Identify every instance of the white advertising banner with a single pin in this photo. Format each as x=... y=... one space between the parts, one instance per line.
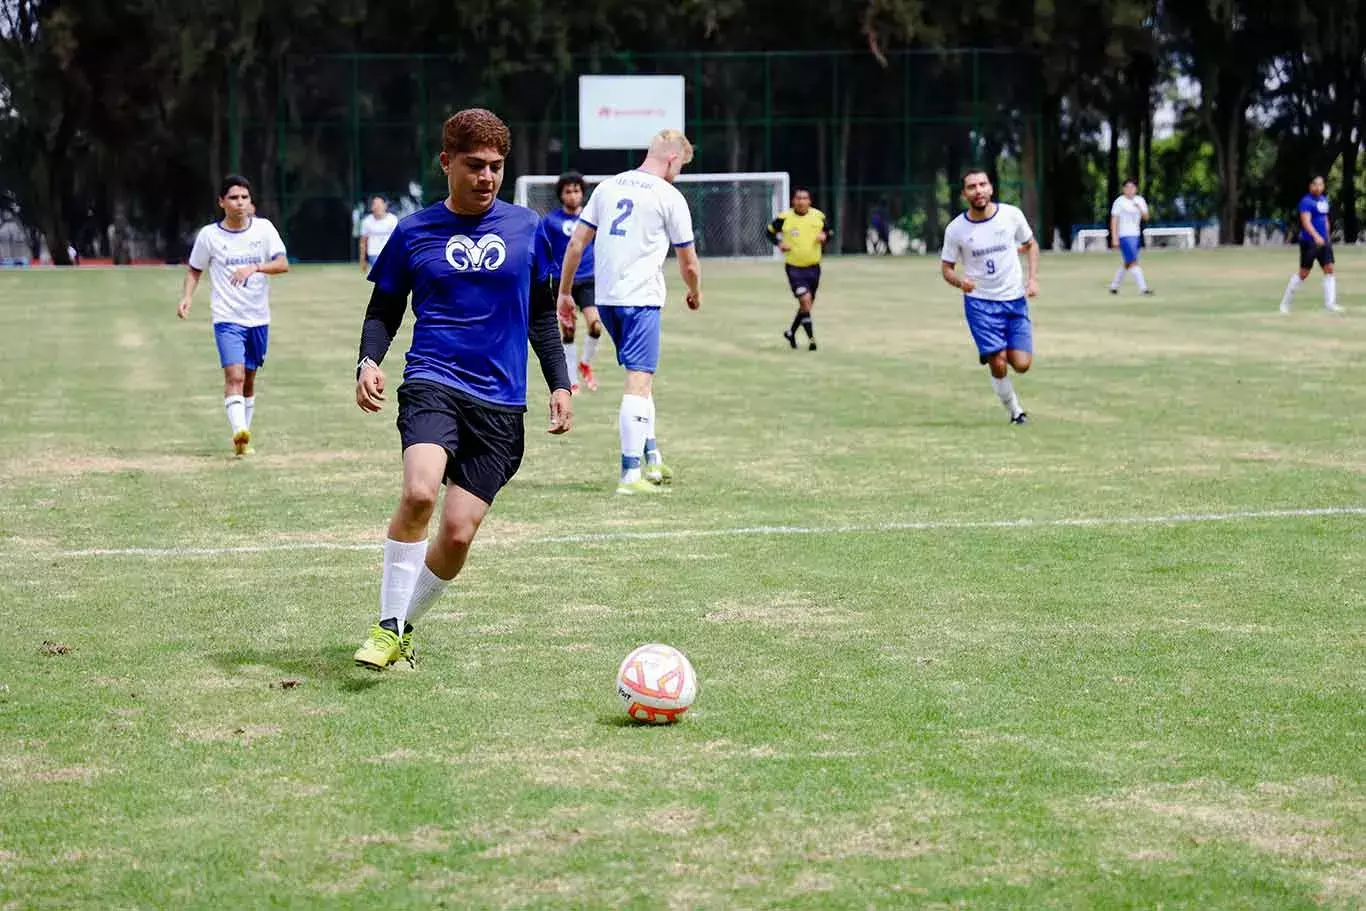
x=624 y=112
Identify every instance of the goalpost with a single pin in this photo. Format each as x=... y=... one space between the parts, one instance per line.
x=730 y=212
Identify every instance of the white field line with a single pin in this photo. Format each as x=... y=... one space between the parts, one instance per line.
x=744 y=532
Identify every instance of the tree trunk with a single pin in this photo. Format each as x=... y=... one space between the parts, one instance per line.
x=1029 y=155
x=842 y=172
x=1351 y=222
x=1112 y=159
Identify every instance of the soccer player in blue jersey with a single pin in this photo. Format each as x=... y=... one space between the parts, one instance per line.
x=987 y=239
x=1316 y=246
x=635 y=217
x=556 y=229
x=467 y=263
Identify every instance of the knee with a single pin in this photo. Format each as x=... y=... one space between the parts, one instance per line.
x=997 y=365
x=566 y=335
x=595 y=330
x=419 y=500
x=639 y=383
x=1021 y=361
x=458 y=531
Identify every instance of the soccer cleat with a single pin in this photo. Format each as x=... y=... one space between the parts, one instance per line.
x=1285 y=307
x=1114 y=290
x=1020 y=418
x=1148 y=292
x=791 y=338
x=586 y=374
x=1333 y=308
x=811 y=346
x=241 y=442
x=659 y=473
x=407 y=652
x=379 y=650
x=638 y=487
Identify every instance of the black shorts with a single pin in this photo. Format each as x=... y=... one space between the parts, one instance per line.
x=804 y=280
x=585 y=294
x=483 y=444
x=1311 y=253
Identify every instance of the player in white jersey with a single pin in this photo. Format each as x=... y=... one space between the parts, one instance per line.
x=238 y=252
x=375 y=229
x=987 y=239
x=632 y=219
x=1127 y=216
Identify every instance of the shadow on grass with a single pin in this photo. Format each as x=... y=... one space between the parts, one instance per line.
x=330 y=664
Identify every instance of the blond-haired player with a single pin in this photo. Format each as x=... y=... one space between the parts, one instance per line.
x=631 y=220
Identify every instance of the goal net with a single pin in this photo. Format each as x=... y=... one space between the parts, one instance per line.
x=730 y=212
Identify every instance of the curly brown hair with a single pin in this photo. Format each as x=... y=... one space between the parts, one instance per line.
x=475 y=128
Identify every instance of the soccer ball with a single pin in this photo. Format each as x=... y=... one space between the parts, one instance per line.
x=656 y=684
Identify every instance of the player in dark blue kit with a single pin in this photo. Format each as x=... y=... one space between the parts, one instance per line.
x=1316 y=246
x=556 y=229
x=467 y=263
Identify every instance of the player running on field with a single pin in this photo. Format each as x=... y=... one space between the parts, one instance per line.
x=1316 y=246
x=1127 y=216
x=635 y=216
x=987 y=239
x=467 y=264
x=555 y=230
x=239 y=253
x=801 y=232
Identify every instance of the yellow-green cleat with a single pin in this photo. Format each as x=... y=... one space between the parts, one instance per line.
x=659 y=473
x=638 y=487
x=407 y=653
x=241 y=443
x=381 y=649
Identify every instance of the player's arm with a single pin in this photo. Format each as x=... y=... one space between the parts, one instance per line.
x=383 y=317
x=1031 y=248
x=544 y=335
x=362 y=252
x=1114 y=232
x=1142 y=209
x=192 y=276
x=775 y=232
x=827 y=232
x=1307 y=227
x=950 y=273
x=690 y=268
x=573 y=255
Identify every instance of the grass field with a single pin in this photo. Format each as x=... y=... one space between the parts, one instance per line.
x=1114 y=659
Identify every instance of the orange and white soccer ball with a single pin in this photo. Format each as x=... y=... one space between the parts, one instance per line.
x=656 y=684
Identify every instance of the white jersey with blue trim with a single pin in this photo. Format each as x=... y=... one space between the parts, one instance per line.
x=1129 y=213
x=637 y=217
x=988 y=251
x=221 y=252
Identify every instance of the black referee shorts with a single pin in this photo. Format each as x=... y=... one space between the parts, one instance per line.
x=483 y=444
x=804 y=280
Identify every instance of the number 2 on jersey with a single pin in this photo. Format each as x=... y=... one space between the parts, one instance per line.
x=625 y=207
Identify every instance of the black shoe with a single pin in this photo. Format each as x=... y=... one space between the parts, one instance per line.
x=1114 y=290
x=811 y=346
x=1149 y=293
x=791 y=337
x=1020 y=418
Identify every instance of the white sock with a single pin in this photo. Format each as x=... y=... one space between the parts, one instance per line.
x=1290 y=290
x=1005 y=391
x=250 y=402
x=633 y=420
x=571 y=360
x=1330 y=291
x=402 y=561
x=1119 y=278
x=1138 y=277
x=652 y=456
x=428 y=588
x=590 y=348
x=236 y=408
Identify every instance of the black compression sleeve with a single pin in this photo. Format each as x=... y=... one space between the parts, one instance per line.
x=382 y=318
x=544 y=334
x=775 y=228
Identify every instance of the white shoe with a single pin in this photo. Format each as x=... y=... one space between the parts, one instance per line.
x=1285 y=308
x=1333 y=308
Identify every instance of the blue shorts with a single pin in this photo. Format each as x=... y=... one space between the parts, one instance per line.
x=1128 y=249
x=635 y=332
x=998 y=326
x=241 y=344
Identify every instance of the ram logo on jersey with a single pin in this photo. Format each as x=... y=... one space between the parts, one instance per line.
x=487 y=254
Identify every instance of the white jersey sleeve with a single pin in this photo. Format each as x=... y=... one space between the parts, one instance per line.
x=678 y=220
x=199 y=253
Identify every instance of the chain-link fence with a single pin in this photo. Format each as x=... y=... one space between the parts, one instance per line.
x=880 y=144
